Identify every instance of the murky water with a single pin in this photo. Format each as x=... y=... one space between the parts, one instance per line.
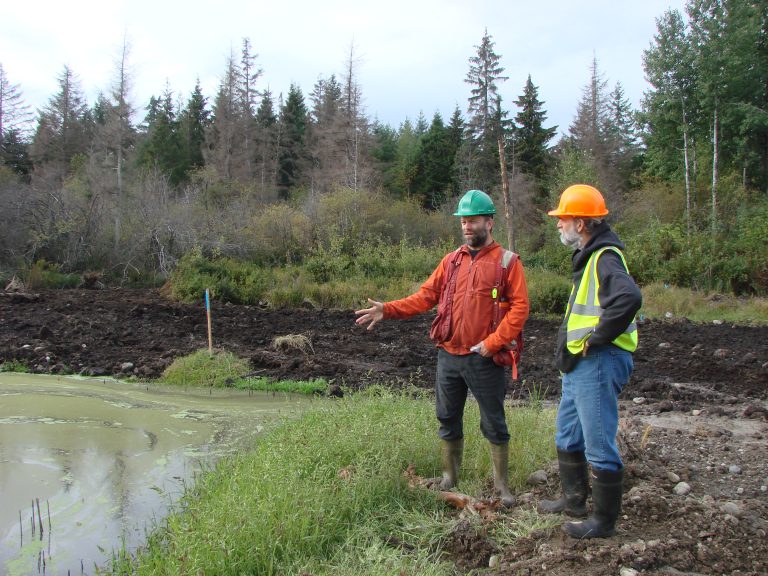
x=95 y=463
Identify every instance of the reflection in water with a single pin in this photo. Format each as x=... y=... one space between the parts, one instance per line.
x=104 y=460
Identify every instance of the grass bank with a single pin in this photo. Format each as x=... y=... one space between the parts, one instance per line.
x=223 y=369
x=659 y=300
x=333 y=280
x=325 y=494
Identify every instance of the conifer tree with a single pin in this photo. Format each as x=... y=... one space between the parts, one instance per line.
x=15 y=118
x=622 y=138
x=384 y=155
x=595 y=136
x=456 y=133
x=63 y=128
x=222 y=135
x=531 y=139
x=194 y=120
x=162 y=147
x=266 y=144
x=292 y=152
x=356 y=125
x=407 y=147
x=434 y=165
x=114 y=142
x=485 y=73
x=588 y=130
x=421 y=127
x=247 y=94
x=328 y=137
x=14 y=153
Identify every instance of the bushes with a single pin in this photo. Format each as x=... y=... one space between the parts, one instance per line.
x=229 y=280
x=340 y=248
x=325 y=264
x=341 y=275
x=47 y=275
x=733 y=259
x=338 y=224
x=548 y=292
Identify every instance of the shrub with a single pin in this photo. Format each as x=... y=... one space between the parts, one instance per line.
x=14 y=366
x=227 y=279
x=547 y=292
x=48 y=275
x=327 y=263
x=280 y=234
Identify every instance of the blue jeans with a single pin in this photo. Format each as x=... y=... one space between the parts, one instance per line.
x=588 y=416
x=456 y=375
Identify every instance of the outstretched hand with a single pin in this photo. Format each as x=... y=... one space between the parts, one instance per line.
x=370 y=315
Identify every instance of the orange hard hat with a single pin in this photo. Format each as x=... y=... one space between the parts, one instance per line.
x=580 y=201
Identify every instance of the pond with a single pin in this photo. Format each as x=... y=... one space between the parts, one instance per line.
x=89 y=466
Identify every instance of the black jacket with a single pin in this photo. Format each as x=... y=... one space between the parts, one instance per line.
x=619 y=295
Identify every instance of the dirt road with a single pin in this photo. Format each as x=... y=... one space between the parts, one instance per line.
x=694 y=412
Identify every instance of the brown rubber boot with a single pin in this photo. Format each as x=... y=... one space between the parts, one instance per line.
x=452 y=453
x=500 y=458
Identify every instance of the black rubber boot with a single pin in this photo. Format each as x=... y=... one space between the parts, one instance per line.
x=574 y=483
x=452 y=454
x=606 y=505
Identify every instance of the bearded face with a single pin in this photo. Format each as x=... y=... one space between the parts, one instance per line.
x=476 y=230
x=569 y=234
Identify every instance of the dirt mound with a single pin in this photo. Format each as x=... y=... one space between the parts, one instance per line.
x=695 y=411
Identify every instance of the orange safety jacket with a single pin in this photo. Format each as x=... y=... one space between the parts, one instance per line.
x=473 y=304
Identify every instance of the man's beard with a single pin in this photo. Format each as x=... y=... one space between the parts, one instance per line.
x=478 y=240
x=572 y=239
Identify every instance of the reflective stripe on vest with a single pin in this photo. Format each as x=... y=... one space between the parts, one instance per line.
x=584 y=309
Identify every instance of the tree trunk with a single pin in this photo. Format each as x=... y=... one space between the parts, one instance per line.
x=695 y=179
x=714 y=173
x=509 y=210
x=118 y=199
x=687 y=177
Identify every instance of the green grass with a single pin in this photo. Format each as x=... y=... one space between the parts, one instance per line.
x=224 y=369
x=659 y=299
x=317 y=386
x=284 y=508
x=200 y=368
x=14 y=366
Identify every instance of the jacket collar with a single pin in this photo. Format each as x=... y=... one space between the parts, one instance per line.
x=483 y=251
x=601 y=237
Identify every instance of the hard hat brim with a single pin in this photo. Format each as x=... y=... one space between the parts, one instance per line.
x=474 y=213
x=556 y=212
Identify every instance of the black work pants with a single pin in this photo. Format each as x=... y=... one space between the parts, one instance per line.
x=471 y=372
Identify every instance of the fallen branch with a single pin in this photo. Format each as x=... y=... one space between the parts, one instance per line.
x=486 y=508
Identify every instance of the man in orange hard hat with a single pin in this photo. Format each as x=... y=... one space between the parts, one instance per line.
x=594 y=354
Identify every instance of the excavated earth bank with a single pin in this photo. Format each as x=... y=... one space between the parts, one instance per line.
x=695 y=411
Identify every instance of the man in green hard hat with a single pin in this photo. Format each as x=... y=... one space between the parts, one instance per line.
x=482 y=301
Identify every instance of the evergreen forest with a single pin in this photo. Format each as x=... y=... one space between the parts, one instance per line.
x=126 y=191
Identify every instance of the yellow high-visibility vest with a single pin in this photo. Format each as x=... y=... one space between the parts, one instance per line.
x=584 y=309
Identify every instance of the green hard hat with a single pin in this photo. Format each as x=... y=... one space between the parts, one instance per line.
x=475 y=203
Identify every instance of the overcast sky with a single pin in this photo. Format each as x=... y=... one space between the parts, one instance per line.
x=412 y=55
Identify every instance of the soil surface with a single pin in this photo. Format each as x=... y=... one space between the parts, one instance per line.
x=694 y=412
